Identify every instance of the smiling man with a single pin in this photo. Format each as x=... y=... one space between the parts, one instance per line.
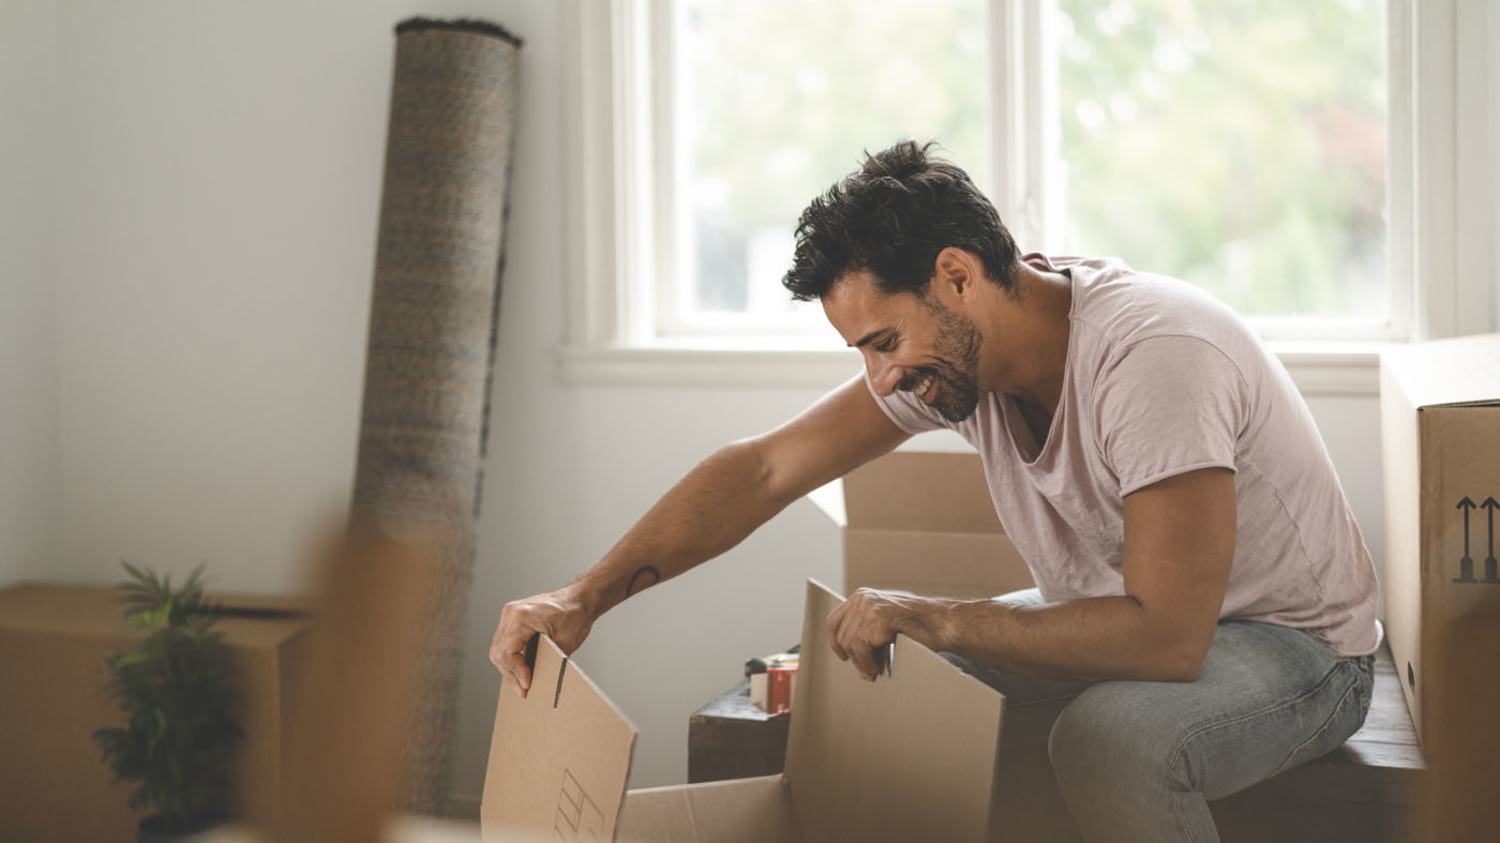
x=1203 y=594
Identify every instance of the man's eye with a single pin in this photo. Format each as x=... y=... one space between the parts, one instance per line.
x=885 y=344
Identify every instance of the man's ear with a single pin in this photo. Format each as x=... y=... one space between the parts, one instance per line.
x=953 y=268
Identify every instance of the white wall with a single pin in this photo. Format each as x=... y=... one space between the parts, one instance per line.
x=216 y=210
x=217 y=216
x=1494 y=67
x=28 y=368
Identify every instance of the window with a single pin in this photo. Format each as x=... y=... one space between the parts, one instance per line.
x=1240 y=146
x=1260 y=148
x=764 y=116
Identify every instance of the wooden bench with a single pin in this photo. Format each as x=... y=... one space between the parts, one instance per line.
x=1366 y=790
x=1363 y=791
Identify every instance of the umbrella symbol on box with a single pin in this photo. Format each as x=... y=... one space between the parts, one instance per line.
x=1466 y=564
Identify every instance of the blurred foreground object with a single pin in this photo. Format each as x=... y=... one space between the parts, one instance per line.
x=1463 y=746
x=343 y=756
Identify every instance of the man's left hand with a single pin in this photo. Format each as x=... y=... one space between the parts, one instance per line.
x=870 y=619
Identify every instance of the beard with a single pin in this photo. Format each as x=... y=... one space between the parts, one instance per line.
x=956 y=365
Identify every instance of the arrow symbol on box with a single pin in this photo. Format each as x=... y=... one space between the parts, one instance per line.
x=1491 y=575
x=1466 y=565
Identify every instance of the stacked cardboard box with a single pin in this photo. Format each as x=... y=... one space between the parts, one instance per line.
x=923 y=522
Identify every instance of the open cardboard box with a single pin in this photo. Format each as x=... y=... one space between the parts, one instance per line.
x=923 y=522
x=911 y=756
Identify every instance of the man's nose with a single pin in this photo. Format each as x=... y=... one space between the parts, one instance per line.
x=884 y=376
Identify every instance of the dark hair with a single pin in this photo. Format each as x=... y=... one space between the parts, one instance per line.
x=892 y=217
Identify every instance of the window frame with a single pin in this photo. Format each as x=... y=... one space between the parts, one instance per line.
x=617 y=158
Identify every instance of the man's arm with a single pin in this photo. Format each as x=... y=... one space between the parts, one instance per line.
x=713 y=508
x=1179 y=544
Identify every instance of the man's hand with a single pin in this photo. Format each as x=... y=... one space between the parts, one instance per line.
x=560 y=614
x=871 y=619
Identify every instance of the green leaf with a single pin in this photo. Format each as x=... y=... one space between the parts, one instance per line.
x=178 y=695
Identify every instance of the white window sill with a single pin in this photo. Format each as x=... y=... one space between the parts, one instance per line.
x=1318 y=368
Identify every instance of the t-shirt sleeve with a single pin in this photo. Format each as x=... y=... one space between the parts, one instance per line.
x=909 y=414
x=1169 y=405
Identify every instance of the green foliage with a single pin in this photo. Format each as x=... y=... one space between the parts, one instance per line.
x=176 y=690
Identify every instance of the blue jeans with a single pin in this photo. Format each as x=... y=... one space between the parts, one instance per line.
x=1138 y=761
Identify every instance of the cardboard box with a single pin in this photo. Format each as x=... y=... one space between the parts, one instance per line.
x=1440 y=413
x=923 y=522
x=53 y=638
x=911 y=756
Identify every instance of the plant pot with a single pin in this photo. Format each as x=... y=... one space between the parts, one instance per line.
x=155 y=829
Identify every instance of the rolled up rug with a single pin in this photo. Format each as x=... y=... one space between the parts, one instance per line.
x=432 y=339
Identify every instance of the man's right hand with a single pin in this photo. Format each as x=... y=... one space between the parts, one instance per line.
x=561 y=615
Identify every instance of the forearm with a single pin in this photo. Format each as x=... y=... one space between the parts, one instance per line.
x=709 y=511
x=1097 y=638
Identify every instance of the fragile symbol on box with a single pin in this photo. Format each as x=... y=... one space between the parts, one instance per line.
x=1466 y=564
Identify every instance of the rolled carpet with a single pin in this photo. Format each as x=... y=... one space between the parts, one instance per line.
x=432 y=339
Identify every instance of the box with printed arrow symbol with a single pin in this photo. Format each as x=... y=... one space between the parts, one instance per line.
x=1440 y=434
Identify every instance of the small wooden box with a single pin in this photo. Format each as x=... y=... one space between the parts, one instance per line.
x=728 y=738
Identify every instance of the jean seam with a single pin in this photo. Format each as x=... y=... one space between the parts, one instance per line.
x=1177 y=819
x=1177 y=760
x=1322 y=728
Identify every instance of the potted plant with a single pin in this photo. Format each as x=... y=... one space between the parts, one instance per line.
x=176 y=689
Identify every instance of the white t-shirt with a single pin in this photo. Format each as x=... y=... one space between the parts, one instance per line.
x=1162 y=379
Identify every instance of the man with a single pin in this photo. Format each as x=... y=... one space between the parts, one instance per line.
x=1202 y=587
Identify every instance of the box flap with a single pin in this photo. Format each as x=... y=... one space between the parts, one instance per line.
x=1452 y=372
x=910 y=756
x=559 y=758
x=753 y=810
x=914 y=490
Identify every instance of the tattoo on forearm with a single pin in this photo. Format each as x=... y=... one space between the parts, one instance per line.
x=646 y=571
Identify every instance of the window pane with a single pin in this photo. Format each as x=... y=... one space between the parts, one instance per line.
x=776 y=99
x=1238 y=144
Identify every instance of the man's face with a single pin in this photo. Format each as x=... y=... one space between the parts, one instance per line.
x=956 y=355
x=911 y=344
